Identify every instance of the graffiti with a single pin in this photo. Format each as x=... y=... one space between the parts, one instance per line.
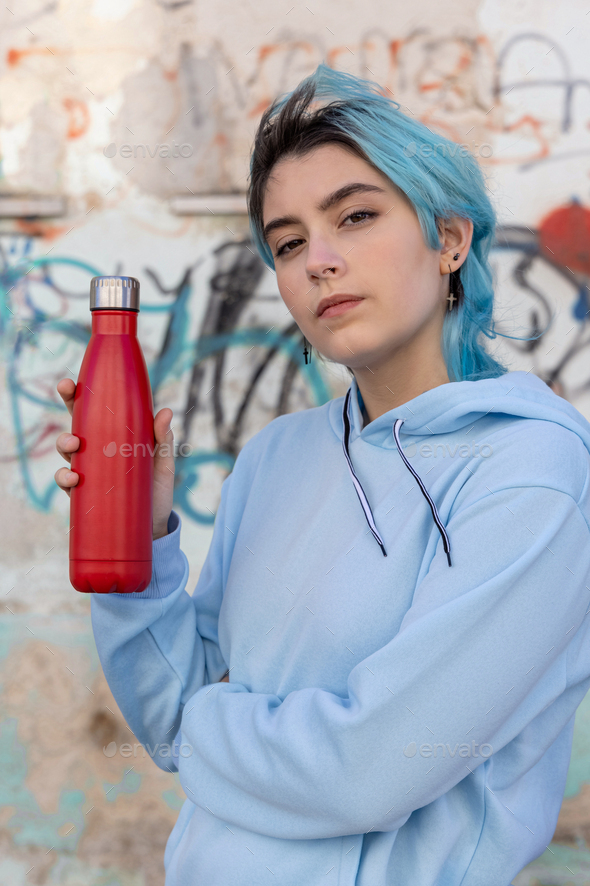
x=238 y=353
x=565 y=81
x=220 y=345
x=34 y=337
x=435 y=79
x=227 y=362
x=27 y=381
x=562 y=244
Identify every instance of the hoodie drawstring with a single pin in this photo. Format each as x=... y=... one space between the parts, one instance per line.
x=446 y=543
x=357 y=484
x=361 y=494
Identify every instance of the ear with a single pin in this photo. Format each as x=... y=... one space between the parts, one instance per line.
x=455 y=235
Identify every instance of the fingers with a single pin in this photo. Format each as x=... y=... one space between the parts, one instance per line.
x=65 y=479
x=66 y=444
x=66 y=388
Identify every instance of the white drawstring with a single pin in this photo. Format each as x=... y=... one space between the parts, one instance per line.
x=361 y=494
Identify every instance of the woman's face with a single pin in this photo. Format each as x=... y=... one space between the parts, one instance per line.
x=366 y=244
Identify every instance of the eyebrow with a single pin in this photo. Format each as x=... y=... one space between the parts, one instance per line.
x=325 y=204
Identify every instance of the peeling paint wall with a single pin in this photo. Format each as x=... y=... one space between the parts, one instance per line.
x=120 y=106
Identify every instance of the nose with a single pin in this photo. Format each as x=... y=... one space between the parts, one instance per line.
x=323 y=260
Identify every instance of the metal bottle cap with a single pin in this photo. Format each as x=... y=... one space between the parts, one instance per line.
x=112 y=293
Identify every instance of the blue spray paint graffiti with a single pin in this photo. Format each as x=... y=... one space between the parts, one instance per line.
x=232 y=287
x=27 y=327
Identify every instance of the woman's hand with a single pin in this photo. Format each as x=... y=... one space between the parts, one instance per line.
x=163 y=460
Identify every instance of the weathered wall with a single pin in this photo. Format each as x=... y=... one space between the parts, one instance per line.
x=79 y=79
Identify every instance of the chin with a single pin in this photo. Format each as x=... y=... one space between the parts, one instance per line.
x=362 y=355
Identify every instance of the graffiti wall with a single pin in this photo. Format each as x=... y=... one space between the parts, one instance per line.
x=123 y=109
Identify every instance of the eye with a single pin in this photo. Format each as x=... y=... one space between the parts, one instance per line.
x=280 y=251
x=358 y=212
x=368 y=212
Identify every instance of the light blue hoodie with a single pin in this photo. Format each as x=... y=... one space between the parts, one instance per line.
x=407 y=645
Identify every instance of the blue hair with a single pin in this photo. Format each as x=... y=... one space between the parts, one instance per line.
x=439 y=186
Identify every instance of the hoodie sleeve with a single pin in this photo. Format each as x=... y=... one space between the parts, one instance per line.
x=481 y=652
x=159 y=646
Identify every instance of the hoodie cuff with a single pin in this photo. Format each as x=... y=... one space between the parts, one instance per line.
x=168 y=563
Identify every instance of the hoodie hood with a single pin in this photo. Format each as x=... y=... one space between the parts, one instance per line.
x=444 y=409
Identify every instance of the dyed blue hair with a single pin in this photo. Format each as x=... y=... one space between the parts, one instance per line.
x=438 y=185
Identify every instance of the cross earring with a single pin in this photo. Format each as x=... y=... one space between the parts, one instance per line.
x=453 y=287
x=305 y=351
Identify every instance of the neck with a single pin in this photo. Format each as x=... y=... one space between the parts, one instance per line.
x=387 y=388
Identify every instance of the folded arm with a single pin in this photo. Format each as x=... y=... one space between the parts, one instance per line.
x=479 y=654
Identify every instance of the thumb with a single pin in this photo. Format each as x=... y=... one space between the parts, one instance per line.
x=162 y=427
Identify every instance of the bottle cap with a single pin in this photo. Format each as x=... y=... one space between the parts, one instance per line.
x=112 y=293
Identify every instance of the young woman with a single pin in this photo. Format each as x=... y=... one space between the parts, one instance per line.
x=398 y=580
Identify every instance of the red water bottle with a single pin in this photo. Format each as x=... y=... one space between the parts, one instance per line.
x=111 y=505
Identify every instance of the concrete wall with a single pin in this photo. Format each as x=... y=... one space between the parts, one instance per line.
x=79 y=79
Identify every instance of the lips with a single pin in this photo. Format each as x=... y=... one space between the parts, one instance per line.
x=335 y=300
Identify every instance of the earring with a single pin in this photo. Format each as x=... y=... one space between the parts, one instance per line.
x=455 y=287
x=455 y=257
x=305 y=351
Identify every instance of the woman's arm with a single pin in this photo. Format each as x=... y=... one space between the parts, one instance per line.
x=482 y=652
x=159 y=646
